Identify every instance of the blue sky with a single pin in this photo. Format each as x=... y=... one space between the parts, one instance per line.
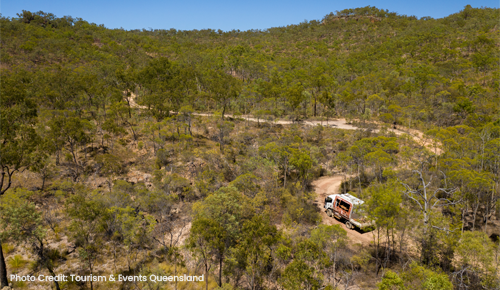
x=222 y=14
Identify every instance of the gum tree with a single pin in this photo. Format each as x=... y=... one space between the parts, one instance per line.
x=21 y=222
x=18 y=139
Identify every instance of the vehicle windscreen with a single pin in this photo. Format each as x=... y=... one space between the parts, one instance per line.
x=328 y=199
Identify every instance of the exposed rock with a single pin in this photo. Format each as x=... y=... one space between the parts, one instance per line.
x=135 y=176
x=98 y=182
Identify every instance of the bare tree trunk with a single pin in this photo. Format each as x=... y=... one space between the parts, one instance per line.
x=474 y=217
x=206 y=278
x=54 y=275
x=463 y=218
x=223 y=111
x=334 y=270
x=3 y=270
x=377 y=263
x=175 y=272
x=220 y=271
x=485 y=218
x=359 y=180
x=284 y=183
x=314 y=105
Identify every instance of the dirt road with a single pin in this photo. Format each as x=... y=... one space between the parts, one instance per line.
x=330 y=185
x=339 y=123
x=416 y=135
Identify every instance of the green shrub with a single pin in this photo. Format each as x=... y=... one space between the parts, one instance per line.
x=16 y=262
x=7 y=248
x=391 y=281
x=123 y=141
x=18 y=284
x=387 y=118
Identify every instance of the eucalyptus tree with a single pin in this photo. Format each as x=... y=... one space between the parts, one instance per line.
x=86 y=228
x=427 y=191
x=318 y=80
x=223 y=214
x=222 y=88
x=166 y=85
x=18 y=138
x=18 y=117
x=22 y=222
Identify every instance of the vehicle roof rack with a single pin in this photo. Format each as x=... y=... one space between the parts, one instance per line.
x=352 y=198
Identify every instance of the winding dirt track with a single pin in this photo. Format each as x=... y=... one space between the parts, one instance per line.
x=416 y=135
x=330 y=185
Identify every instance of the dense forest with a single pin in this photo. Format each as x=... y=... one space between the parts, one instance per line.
x=204 y=152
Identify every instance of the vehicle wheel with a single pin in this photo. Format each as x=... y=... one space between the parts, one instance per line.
x=349 y=225
x=329 y=212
